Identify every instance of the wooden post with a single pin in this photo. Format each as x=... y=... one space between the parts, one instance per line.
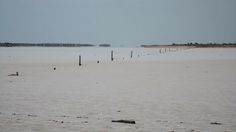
x=112 y=56
x=131 y=54
x=80 y=61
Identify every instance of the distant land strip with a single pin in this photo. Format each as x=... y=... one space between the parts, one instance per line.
x=193 y=45
x=6 y=44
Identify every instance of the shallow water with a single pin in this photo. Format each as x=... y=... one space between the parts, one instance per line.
x=14 y=55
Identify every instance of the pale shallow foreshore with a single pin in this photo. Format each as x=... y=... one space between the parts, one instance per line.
x=159 y=92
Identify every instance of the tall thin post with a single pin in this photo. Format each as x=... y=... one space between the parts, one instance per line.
x=80 y=61
x=131 y=54
x=112 y=56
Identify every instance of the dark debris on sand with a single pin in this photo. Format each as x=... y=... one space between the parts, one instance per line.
x=32 y=115
x=216 y=123
x=56 y=121
x=124 y=121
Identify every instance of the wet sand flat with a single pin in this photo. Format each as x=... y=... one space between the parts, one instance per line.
x=160 y=95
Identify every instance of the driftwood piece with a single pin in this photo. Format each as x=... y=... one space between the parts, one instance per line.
x=17 y=74
x=124 y=121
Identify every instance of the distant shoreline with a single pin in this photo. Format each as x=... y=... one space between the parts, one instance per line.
x=188 y=45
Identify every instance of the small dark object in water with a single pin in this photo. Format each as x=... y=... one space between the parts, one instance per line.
x=181 y=122
x=216 y=123
x=118 y=111
x=62 y=122
x=124 y=121
x=97 y=61
x=54 y=68
x=14 y=74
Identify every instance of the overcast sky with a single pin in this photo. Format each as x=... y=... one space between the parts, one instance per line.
x=118 y=22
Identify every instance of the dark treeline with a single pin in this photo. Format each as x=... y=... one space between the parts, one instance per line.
x=207 y=44
x=44 y=45
x=104 y=45
x=196 y=45
x=6 y=44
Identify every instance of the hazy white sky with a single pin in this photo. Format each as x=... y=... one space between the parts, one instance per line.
x=118 y=22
